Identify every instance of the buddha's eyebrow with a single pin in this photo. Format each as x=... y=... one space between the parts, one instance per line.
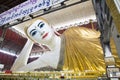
x=32 y=30
x=39 y=23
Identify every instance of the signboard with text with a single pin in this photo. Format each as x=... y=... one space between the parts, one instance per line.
x=26 y=8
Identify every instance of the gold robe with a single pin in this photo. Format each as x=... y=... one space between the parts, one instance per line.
x=82 y=50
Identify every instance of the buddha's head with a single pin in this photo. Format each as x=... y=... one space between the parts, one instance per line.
x=40 y=31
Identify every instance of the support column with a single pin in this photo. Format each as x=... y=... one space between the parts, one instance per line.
x=110 y=62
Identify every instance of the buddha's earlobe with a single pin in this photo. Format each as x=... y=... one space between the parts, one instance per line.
x=55 y=31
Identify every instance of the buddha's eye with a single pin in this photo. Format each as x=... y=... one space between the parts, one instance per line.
x=33 y=32
x=41 y=24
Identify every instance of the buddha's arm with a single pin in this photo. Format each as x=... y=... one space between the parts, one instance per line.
x=47 y=59
x=23 y=57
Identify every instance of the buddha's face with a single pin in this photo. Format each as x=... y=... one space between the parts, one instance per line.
x=40 y=31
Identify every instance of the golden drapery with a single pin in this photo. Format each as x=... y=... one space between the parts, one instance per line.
x=83 y=51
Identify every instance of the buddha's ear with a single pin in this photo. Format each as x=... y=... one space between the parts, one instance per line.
x=55 y=31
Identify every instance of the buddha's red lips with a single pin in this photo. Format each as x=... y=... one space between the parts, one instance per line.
x=44 y=35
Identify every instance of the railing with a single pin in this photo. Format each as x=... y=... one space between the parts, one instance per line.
x=51 y=75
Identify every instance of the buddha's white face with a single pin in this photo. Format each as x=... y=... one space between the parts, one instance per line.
x=40 y=32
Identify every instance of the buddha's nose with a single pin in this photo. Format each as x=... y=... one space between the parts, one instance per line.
x=42 y=32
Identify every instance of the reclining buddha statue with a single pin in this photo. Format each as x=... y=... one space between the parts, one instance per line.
x=77 y=49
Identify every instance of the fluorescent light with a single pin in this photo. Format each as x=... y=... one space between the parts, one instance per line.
x=5 y=52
